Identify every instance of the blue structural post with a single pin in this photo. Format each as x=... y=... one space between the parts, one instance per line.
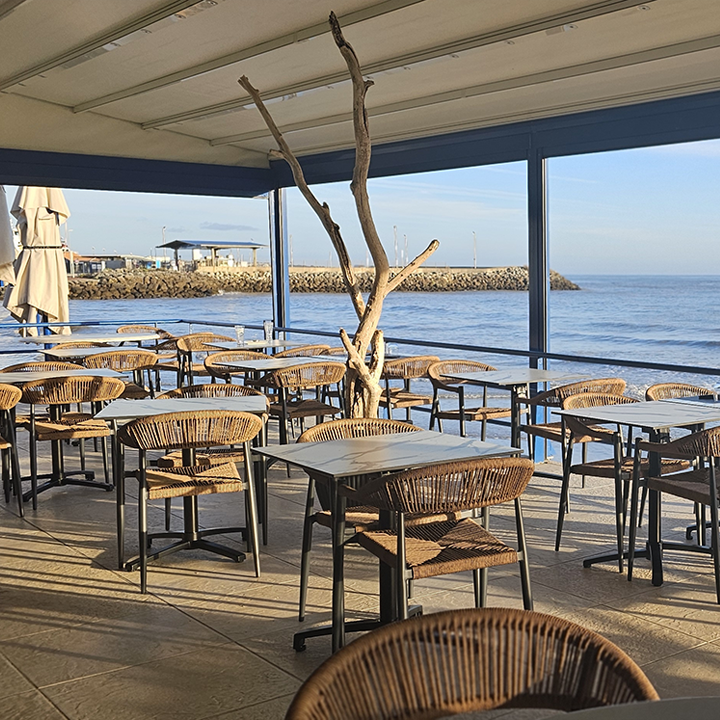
x=538 y=269
x=277 y=207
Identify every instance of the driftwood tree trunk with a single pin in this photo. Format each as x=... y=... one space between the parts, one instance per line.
x=363 y=389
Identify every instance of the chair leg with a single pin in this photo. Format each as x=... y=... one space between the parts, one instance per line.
x=480 y=575
x=251 y=504
x=401 y=569
x=142 y=524
x=564 y=493
x=643 y=500
x=168 y=513
x=106 y=467
x=523 y=557
x=633 y=524
x=306 y=548
x=33 y=464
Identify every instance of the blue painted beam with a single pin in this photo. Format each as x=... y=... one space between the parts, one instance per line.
x=95 y=172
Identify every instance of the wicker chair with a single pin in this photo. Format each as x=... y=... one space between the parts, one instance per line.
x=136 y=361
x=700 y=452
x=187 y=431
x=440 y=548
x=304 y=351
x=9 y=398
x=58 y=393
x=667 y=391
x=130 y=329
x=217 y=363
x=554 y=398
x=52 y=365
x=187 y=369
x=210 y=390
x=619 y=467
x=405 y=369
x=334 y=351
x=357 y=516
x=470 y=660
x=437 y=373
x=78 y=344
x=296 y=380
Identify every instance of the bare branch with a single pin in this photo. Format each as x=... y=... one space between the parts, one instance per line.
x=362 y=157
x=412 y=266
x=378 y=355
x=321 y=210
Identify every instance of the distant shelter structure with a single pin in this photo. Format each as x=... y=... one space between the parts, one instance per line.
x=213 y=246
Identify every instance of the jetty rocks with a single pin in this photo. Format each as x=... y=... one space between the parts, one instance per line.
x=122 y=284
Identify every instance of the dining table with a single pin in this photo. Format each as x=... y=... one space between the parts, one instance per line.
x=79 y=354
x=260 y=344
x=17 y=377
x=98 y=337
x=517 y=381
x=656 y=418
x=665 y=709
x=336 y=460
x=124 y=410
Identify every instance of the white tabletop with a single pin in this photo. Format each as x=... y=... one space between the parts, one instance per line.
x=271 y=363
x=131 y=409
x=515 y=376
x=18 y=378
x=656 y=414
x=106 y=337
x=257 y=344
x=383 y=453
x=703 y=708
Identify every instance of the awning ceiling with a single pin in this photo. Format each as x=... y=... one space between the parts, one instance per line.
x=157 y=80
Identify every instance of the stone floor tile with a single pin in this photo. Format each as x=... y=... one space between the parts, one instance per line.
x=30 y=706
x=184 y=687
x=695 y=672
x=13 y=681
x=270 y=710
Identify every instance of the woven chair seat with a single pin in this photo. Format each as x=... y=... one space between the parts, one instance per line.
x=441 y=548
x=196 y=480
x=400 y=398
x=47 y=430
x=133 y=391
x=693 y=485
x=209 y=458
x=553 y=431
x=4 y=444
x=606 y=468
x=70 y=418
x=304 y=408
x=476 y=413
x=366 y=517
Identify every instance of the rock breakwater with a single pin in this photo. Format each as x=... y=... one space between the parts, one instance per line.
x=122 y=284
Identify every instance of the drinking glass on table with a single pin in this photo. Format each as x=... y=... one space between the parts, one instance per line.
x=268 y=329
x=240 y=334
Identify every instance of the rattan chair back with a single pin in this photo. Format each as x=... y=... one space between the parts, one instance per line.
x=210 y=390
x=78 y=389
x=438 y=371
x=192 y=429
x=145 y=329
x=9 y=396
x=217 y=363
x=355 y=428
x=334 y=351
x=304 y=351
x=38 y=366
x=167 y=346
x=408 y=367
x=555 y=397
x=449 y=487
x=702 y=444
x=470 y=660
x=667 y=391
x=307 y=375
x=595 y=399
x=78 y=344
x=122 y=360
x=200 y=341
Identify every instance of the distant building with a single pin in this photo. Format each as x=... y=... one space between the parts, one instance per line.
x=214 y=246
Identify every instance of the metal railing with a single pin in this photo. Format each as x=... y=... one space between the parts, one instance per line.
x=528 y=354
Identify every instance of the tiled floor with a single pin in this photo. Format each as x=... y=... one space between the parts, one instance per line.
x=78 y=640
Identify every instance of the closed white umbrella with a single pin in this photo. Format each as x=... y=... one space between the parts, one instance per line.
x=7 y=242
x=41 y=284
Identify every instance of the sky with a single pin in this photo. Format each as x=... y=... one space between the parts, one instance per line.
x=647 y=211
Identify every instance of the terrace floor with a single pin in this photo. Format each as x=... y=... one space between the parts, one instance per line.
x=209 y=640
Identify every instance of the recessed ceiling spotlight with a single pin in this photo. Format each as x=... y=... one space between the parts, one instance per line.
x=569 y=26
x=509 y=42
x=643 y=7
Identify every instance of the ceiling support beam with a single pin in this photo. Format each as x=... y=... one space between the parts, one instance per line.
x=381 y=8
x=98 y=41
x=7 y=6
x=473 y=42
x=525 y=81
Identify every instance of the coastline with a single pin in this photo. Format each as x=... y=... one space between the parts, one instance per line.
x=121 y=284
